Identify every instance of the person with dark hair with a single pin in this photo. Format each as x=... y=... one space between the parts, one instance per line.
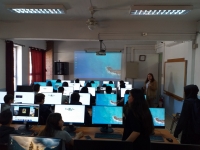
x=92 y=82
x=36 y=88
x=84 y=90
x=5 y=129
x=49 y=83
x=122 y=84
x=44 y=110
x=65 y=99
x=189 y=121
x=110 y=82
x=65 y=84
x=108 y=89
x=53 y=128
x=88 y=84
x=121 y=102
x=58 y=81
x=75 y=97
x=8 y=99
x=138 y=123
x=77 y=81
x=150 y=89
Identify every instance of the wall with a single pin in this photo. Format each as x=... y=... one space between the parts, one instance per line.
x=181 y=50
x=2 y=65
x=25 y=56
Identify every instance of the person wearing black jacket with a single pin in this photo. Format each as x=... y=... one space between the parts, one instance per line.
x=189 y=121
x=5 y=129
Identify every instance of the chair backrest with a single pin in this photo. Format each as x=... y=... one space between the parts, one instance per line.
x=167 y=146
x=101 y=145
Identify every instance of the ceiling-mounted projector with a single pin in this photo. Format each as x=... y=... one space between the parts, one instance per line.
x=102 y=51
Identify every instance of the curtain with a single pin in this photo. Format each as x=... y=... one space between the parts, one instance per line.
x=9 y=67
x=38 y=65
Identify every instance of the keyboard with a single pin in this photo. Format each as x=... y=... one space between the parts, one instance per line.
x=108 y=136
x=156 y=138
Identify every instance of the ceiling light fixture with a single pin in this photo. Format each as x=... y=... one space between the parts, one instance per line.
x=37 y=9
x=160 y=10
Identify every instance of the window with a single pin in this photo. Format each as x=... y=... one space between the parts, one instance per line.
x=17 y=51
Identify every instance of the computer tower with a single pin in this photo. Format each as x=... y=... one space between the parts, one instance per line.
x=61 y=68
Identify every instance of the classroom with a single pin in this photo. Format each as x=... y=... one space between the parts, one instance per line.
x=158 y=38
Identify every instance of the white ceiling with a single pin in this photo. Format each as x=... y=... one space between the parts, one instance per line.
x=109 y=10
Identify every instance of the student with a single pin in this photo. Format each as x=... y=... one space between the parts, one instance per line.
x=53 y=128
x=8 y=99
x=36 y=88
x=44 y=110
x=65 y=84
x=138 y=124
x=189 y=121
x=77 y=81
x=5 y=129
x=49 y=83
x=150 y=88
x=108 y=89
x=75 y=97
x=65 y=99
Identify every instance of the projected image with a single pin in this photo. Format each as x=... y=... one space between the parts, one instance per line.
x=90 y=65
x=158 y=115
x=106 y=115
x=34 y=143
x=106 y=99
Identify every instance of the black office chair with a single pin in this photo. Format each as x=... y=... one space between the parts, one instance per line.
x=3 y=146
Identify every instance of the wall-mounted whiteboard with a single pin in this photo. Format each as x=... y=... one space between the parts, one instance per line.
x=175 y=78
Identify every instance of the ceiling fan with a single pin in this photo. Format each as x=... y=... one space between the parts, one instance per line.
x=91 y=22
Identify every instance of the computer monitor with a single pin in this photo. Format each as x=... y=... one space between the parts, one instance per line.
x=112 y=85
x=18 y=142
x=107 y=115
x=105 y=82
x=56 y=85
x=71 y=84
x=2 y=94
x=123 y=90
x=82 y=82
x=129 y=86
x=71 y=114
x=46 y=89
x=76 y=86
x=24 y=97
x=104 y=88
x=106 y=99
x=24 y=88
x=52 y=98
x=68 y=90
x=91 y=90
x=27 y=114
x=40 y=83
x=158 y=115
x=126 y=98
x=84 y=98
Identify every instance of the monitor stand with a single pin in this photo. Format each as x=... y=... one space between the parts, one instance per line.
x=25 y=129
x=106 y=129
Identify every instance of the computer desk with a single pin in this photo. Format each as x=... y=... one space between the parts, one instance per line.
x=90 y=131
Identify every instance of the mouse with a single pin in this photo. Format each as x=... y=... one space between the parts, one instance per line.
x=169 y=139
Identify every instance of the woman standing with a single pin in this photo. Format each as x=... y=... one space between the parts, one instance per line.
x=150 y=89
x=138 y=122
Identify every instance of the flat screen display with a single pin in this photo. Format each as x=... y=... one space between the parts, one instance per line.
x=126 y=98
x=68 y=90
x=76 y=86
x=52 y=98
x=56 y=85
x=25 y=112
x=123 y=90
x=106 y=99
x=92 y=90
x=107 y=115
x=158 y=115
x=92 y=66
x=84 y=98
x=2 y=94
x=37 y=143
x=24 y=97
x=46 y=89
x=71 y=113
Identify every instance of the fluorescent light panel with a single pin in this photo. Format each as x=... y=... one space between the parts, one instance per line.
x=37 y=9
x=160 y=10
